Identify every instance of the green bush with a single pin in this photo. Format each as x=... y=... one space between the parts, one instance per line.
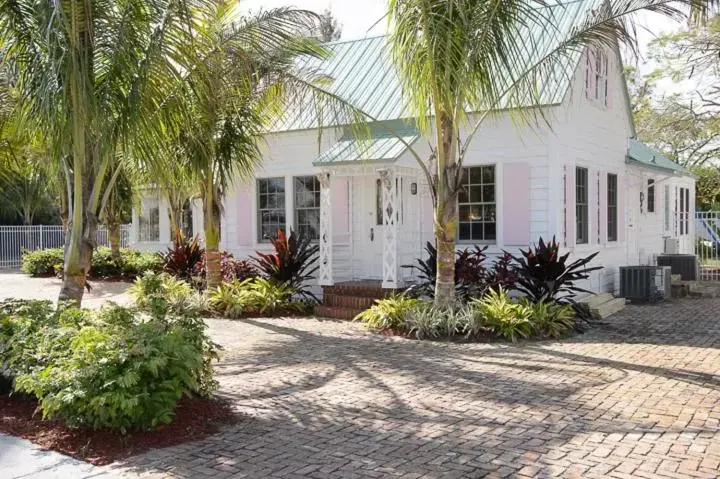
x=254 y=296
x=42 y=262
x=551 y=319
x=428 y=321
x=497 y=312
x=132 y=263
x=388 y=313
x=114 y=368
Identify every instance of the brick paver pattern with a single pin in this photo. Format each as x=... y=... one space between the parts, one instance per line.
x=637 y=396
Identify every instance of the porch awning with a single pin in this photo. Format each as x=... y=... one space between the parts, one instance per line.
x=381 y=147
x=644 y=155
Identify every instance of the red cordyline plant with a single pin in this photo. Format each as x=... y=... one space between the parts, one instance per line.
x=544 y=275
x=294 y=261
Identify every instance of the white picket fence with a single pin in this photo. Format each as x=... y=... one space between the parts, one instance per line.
x=16 y=239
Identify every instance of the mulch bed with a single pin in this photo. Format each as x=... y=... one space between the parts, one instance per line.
x=195 y=418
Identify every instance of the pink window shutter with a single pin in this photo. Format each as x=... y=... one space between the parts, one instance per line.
x=339 y=204
x=516 y=204
x=244 y=205
x=569 y=204
x=592 y=206
x=603 y=203
x=622 y=221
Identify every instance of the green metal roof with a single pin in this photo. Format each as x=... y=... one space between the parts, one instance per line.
x=362 y=72
x=380 y=146
x=644 y=155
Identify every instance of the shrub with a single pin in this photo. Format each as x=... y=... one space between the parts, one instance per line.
x=230 y=267
x=293 y=263
x=472 y=277
x=543 y=274
x=113 y=368
x=155 y=291
x=551 y=319
x=426 y=320
x=132 y=263
x=136 y=263
x=182 y=258
x=42 y=262
x=501 y=315
x=388 y=313
x=254 y=296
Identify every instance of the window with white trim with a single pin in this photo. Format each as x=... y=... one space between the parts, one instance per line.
x=271 y=207
x=650 y=195
x=596 y=75
x=307 y=206
x=667 y=207
x=612 y=207
x=477 y=204
x=582 y=216
x=149 y=219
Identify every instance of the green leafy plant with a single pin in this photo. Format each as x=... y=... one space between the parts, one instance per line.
x=551 y=319
x=544 y=274
x=388 y=313
x=114 y=368
x=159 y=291
x=501 y=315
x=42 y=262
x=182 y=258
x=254 y=296
x=427 y=321
x=293 y=263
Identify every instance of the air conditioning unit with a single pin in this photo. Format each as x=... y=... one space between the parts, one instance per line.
x=672 y=246
x=645 y=283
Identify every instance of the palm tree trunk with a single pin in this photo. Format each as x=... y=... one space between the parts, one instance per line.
x=175 y=215
x=213 y=272
x=446 y=214
x=114 y=238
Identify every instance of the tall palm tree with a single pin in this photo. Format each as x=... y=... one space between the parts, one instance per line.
x=246 y=76
x=90 y=75
x=461 y=60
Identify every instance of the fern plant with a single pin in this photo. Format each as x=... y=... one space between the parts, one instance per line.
x=501 y=315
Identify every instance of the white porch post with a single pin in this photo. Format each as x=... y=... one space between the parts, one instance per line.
x=390 y=230
x=326 y=266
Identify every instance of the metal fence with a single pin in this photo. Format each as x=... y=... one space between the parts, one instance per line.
x=707 y=244
x=16 y=239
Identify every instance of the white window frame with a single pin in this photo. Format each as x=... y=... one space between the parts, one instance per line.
x=596 y=67
x=149 y=223
x=482 y=203
x=296 y=204
x=280 y=209
x=612 y=207
x=585 y=239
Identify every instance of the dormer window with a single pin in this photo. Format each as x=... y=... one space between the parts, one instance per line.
x=596 y=76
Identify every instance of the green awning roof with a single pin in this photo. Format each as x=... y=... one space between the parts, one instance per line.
x=381 y=146
x=644 y=155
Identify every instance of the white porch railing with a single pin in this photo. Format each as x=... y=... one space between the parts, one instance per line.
x=16 y=239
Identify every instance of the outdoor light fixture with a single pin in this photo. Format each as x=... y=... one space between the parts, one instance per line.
x=413 y=189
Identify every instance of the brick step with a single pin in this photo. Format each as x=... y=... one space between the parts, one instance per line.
x=342 y=301
x=336 y=312
x=359 y=289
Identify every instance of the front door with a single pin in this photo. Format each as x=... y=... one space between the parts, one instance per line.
x=369 y=234
x=632 y=221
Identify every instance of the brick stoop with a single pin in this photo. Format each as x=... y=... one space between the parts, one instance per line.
x=347 y=300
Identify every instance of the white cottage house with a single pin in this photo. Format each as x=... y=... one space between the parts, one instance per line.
x=580 y=176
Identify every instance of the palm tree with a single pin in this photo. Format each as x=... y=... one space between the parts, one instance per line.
x=90 y=74
x=461 y=60
x=245 y=77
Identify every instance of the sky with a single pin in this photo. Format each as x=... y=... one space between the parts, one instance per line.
x=360 y=18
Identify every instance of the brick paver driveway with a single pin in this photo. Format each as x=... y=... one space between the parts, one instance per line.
x=639 y=396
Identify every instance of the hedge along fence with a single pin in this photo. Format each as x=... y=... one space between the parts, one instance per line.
x=16 y=239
